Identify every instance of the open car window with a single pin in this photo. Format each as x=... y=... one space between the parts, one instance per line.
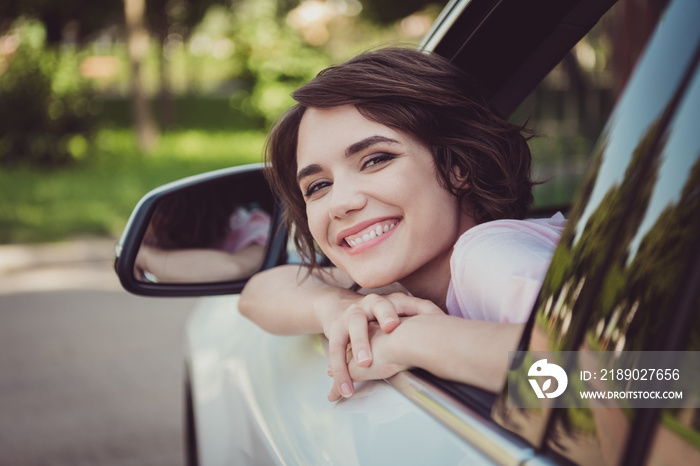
x=567 y=111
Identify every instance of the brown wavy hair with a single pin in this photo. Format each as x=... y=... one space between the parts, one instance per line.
x=480 y=157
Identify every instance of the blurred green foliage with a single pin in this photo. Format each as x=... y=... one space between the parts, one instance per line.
x=276 y=60
x=208 y=113
x=69 y=163
x=97 y=195
x=48 y=111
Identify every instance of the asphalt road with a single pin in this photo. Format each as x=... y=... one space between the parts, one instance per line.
x=89 y=374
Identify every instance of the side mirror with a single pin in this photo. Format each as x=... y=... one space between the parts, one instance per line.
x=203 y=235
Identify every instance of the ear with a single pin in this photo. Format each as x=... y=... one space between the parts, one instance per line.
x=459 y=177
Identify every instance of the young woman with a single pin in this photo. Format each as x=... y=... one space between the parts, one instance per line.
x=395 y=167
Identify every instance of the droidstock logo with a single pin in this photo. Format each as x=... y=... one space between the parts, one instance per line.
x=543 y=369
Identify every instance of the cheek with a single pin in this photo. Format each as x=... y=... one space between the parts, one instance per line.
x=318 y=223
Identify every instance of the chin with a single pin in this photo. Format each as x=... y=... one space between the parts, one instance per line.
x=370 y=276
x=372 y=282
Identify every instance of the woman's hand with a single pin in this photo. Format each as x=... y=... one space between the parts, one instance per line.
x=356 y=325
x=384 y=365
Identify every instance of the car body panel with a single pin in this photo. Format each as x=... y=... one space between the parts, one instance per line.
x=261 y=399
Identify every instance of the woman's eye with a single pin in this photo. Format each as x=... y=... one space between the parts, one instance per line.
x=315 y=187
x=378 y=159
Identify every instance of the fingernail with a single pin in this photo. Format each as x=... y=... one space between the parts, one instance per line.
x=362 y=356
x=391 y=322
x=345 y=390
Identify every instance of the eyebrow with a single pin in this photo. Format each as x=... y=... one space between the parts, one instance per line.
x=359 y=146
x=351 y=150
x=308 y=171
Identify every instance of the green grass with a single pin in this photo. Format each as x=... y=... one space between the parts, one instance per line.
x=96 y=196
x=191 y=112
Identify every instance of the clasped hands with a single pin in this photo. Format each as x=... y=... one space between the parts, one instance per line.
x=363 y=341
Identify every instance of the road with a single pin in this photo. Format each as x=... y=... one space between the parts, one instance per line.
x=89 y=374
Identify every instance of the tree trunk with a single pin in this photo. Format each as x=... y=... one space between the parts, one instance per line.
x=168 y=114
x=137 y=37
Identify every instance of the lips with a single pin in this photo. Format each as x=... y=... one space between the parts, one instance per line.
x=367 y=231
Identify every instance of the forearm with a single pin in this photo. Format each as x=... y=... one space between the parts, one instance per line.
x=200 y=265
x=467 y=351
x=280 y=301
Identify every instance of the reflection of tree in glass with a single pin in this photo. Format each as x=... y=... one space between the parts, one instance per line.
x=578 y=266
x=631 y=202
x=636 y=306
x=653 y=276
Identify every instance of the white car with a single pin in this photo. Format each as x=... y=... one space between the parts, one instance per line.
x=626 y=276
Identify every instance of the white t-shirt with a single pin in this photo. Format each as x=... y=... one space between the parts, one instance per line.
x=497 y=268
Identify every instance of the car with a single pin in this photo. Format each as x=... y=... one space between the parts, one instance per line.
x=625 y=278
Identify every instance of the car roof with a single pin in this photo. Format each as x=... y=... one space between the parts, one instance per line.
x=508 y=46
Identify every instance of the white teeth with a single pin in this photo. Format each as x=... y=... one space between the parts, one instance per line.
x=371 y=235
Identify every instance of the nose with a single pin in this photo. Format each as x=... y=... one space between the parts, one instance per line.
x=346 y=197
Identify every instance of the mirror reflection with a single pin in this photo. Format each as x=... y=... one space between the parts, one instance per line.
x=203 y=233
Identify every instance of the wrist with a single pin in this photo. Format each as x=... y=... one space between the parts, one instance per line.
x=403 y=343
x=330 y=305
x=412 y=346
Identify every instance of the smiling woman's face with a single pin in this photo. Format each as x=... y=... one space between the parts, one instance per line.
x=373 y=200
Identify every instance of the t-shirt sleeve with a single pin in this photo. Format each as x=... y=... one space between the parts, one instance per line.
x=497 y=269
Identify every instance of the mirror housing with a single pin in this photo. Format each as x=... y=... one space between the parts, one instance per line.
x=243 y=185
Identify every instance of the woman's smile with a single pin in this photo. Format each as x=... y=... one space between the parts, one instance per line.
x=367 y=234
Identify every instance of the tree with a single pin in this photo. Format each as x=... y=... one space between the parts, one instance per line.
x=74 y=19
x=137 y=38
x=47 y=115
x=390 y=11
x=179 y=17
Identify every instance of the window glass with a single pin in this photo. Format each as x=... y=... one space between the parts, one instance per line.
x=646 y=274
x=613 y=278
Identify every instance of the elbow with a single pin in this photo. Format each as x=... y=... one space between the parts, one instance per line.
x=262 y=302
x=246 y=300
x=252 y=305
